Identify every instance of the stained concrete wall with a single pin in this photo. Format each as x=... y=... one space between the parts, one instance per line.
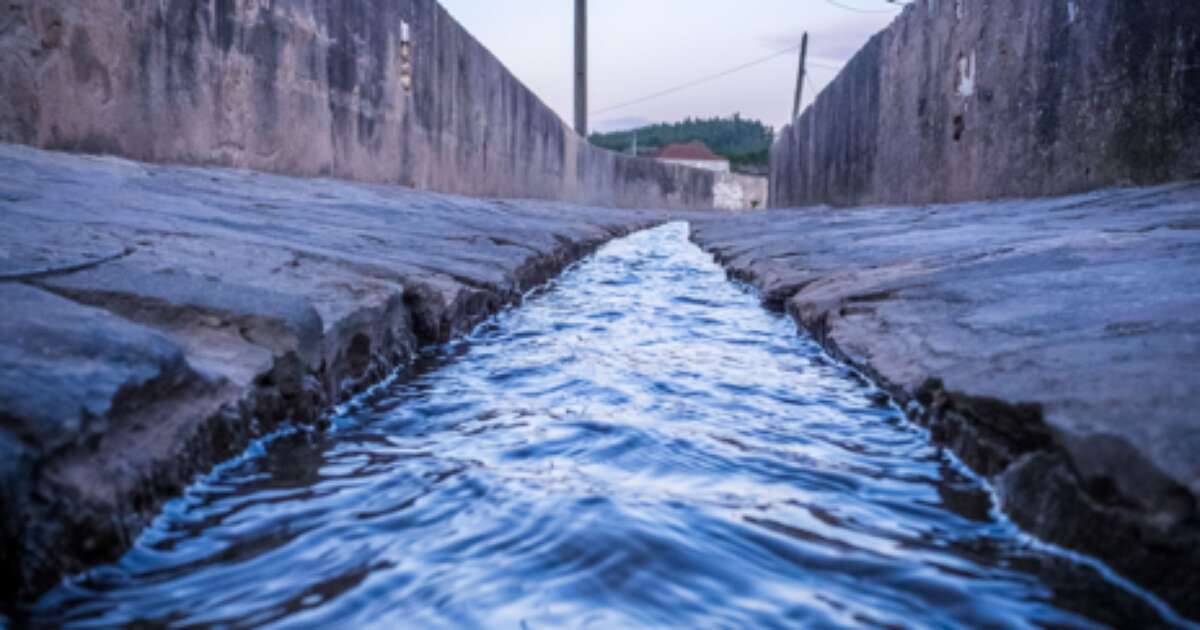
x=304 y=87
x=974 y=99
x=717 y=166
x=734 y=191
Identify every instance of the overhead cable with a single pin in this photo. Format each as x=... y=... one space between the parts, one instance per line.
x=695 y=82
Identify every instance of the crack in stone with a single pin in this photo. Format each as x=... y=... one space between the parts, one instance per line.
x=49 y=272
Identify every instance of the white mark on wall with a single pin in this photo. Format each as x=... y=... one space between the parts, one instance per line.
x=717 y=166
x=1072 y=11
x=732 y=191
x=406 y=68
x=959 y=9
x=966 y=75
x=727 y=195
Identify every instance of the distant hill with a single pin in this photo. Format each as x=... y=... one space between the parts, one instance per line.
x=743 y=141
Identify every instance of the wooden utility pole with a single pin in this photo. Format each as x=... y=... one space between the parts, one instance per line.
x=800 y=78
x=581 y=82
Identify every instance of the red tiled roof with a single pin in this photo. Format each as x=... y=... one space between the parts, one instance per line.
x=689 y=151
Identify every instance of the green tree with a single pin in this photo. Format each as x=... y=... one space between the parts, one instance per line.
x=744 y=142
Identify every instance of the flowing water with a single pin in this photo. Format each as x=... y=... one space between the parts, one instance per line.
x=639 y=444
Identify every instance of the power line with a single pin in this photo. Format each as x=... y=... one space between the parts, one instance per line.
x=699 y=81
x=823 y=66
x=847 y=7
x=749 y=64
x=712 y=77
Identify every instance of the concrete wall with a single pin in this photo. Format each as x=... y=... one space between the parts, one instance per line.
x=734 y=191
x=972 y=99
x=304 y=87
x=717 y=166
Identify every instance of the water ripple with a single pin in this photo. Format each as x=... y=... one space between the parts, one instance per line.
x=639 y=445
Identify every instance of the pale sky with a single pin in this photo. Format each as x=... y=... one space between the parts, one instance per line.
x=639 y=47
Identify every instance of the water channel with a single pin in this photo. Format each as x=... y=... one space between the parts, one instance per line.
x=639 y=444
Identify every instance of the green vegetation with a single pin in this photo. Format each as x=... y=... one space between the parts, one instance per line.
x=745 y=142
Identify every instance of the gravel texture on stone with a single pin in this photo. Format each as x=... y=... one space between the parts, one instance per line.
x=1053 y=343
x=157 y=319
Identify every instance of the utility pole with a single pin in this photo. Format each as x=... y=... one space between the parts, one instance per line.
x=581 y=83
x=800 y=78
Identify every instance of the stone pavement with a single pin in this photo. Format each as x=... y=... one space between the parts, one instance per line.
x=157 y=319
x=1053 y=343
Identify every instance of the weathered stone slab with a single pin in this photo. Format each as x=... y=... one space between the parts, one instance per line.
x=64 y=365
x=278 y=323
x=1060 y=335
x=159 y=318
x=70 y=375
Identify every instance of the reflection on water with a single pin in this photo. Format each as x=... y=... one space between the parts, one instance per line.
x=639 y=445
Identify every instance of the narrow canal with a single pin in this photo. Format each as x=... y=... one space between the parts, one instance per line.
x=640 y=444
